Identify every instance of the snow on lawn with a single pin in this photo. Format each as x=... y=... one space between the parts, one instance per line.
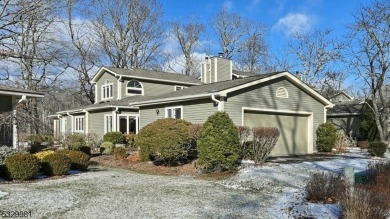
x=287 y=181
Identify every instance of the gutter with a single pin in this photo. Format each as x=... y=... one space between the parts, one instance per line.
x=172 y=99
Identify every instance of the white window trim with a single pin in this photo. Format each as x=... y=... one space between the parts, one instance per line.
x=76 y=123
x=282 y=89
x=141 y=89
x=105 y=123
x=174 y=107
x=108 y=86
x=181 y=87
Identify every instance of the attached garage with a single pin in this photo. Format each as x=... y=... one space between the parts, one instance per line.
x=296 y=129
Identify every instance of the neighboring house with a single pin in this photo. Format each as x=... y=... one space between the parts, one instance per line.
x=128 y=100
x=345 y=114
x=10 y=97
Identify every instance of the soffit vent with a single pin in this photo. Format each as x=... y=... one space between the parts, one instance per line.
x=281 y=92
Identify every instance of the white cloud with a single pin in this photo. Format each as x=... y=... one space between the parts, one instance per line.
x=294 y=22
x=228 y=5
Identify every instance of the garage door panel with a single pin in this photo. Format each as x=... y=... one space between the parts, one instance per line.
x=293 y=130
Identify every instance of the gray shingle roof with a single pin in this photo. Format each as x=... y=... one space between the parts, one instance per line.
x=207 y=88
x=346 y=107
x=20 y=90
x=243 y=73
x=157 y=75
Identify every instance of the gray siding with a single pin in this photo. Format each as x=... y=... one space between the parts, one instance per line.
x=6 y=103
x=102 y=81
x=224 y=69
x=212 y=70
x=195 y=111
x=263 y=96
x=348 y=124
x=96 y=122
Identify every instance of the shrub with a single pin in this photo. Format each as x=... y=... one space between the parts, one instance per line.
x=325 y=187
x=78 y=159
x=218 y=144
x=363 y=144
x=106 y=147
x=74 y=141
x=92 y=140
x=22 y=166
x=130 y=140
x=244 y=133
x=166 y=140
x=119 y=153
x=367 y=125
x=43 y=154
x=56 y=164
x=5 y=152
x=264 y=140
x=377 y=148
x=326 y=137
x=114 y=137
x=86 y=150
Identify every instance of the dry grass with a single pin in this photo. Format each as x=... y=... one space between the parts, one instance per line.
x=325 y=187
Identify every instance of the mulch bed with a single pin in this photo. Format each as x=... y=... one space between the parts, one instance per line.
x=132 y=162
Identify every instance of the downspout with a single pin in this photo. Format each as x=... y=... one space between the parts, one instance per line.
x=216 y=101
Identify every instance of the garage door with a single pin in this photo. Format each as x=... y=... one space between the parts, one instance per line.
x=294 y=136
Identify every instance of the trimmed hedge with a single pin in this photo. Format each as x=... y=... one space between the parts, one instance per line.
x=106 y=147
x=326 y=137
x=78 y=159
x=165 y=140
x=21 y=166
x=119 y=153
x=377 y=148
x=114 y=137
x=56 y=164
x=43 y=154
x=219 y=145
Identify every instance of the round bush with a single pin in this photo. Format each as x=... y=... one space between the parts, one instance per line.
x=106 y=147
x=21 y=166
x=165 y=140
x=78 y=159
x=119 y=153
x=86 y=150
x=5 y=152
x=74 y=141
x=114 y=137
x=377 y=148
x=326 y=137
x=43 y=154
x=56 y=164
x=218 y=144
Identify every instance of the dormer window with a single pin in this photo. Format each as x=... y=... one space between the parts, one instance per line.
x=134 y=88
x=107 y=90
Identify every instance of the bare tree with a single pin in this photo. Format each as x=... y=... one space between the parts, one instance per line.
x=370 y=49
x=188 y=35
x=83 y=56
x=316 y=52
x=231 y=30
x=254 y=53
x=129 y=31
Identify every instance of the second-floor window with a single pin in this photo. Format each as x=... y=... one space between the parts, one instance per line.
x=107 y=90
x=134 y=88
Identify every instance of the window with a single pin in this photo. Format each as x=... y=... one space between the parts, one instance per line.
x=107 y=90
x=179 y=88
x=134 y=88
x=128 y=124
x=174 y=112
x=107 y=123
x=79 y=124
x=281 y=92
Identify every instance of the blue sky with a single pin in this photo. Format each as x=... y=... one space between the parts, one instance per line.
x=281 y=16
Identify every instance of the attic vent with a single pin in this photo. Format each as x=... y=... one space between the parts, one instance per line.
x=281 y=92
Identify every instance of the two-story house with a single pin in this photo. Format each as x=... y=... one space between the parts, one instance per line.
x=129 y=99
